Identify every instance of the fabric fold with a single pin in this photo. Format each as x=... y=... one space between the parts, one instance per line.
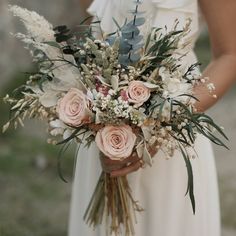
x=182 y=5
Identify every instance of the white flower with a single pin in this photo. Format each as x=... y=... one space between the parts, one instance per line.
x=173 y=84
x=57 y=132
x=57 y=124
x=57 y=127
x=37 y=26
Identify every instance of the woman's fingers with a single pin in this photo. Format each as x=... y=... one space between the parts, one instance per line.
x=153 y=150
x=127 y=170
x=110 y=168
x=109 y=165
x=108 y=161
x=126 y=166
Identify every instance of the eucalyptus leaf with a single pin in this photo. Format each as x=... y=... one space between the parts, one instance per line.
x=137 y=46
x=135 y=57
x=139 y=21
x=124 y=59
x=135 y=40
x=111 y=40
x=136 y=13
x=124 y=47
x=130 y=28
x=138 y=2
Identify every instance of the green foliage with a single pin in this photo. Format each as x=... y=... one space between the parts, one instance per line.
x=190 y=186
x=131 y=39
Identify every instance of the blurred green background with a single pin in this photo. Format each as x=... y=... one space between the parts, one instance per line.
x=33 y=199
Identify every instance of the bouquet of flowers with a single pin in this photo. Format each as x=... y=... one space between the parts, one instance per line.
x=127 y=92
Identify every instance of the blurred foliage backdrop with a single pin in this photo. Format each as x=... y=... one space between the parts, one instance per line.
x=34 y=201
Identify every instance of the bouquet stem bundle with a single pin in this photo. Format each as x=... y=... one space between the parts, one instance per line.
x=113 y=199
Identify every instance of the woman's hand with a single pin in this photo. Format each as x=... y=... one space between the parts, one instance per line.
x=121 y=168
x=124 y=167
x=219 y=15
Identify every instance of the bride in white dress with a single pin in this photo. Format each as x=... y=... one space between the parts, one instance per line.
x=161 y=189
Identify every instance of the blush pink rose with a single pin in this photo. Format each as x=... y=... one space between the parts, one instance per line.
x=73 y=108
x=116 y=142
x=138 y=93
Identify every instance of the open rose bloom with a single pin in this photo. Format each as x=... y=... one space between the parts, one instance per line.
x=138 y=93
x=116 y=142
x=73 y=108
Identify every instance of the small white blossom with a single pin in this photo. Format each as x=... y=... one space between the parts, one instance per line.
x=211 y=87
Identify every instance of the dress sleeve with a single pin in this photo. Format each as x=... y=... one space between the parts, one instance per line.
x=106 y=11
x=165 y=12
x=160 y=13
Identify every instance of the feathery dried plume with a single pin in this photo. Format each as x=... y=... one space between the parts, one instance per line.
x=37 y=26
x=39 y=31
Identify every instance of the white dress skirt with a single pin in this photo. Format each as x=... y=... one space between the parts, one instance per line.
x=160 y=189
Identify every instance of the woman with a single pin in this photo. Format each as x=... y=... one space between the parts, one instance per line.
x=161 y=189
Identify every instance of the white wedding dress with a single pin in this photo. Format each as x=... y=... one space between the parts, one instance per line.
x=160 y=189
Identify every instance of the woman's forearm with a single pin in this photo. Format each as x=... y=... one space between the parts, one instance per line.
x=84 y=4
x=222 y=73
